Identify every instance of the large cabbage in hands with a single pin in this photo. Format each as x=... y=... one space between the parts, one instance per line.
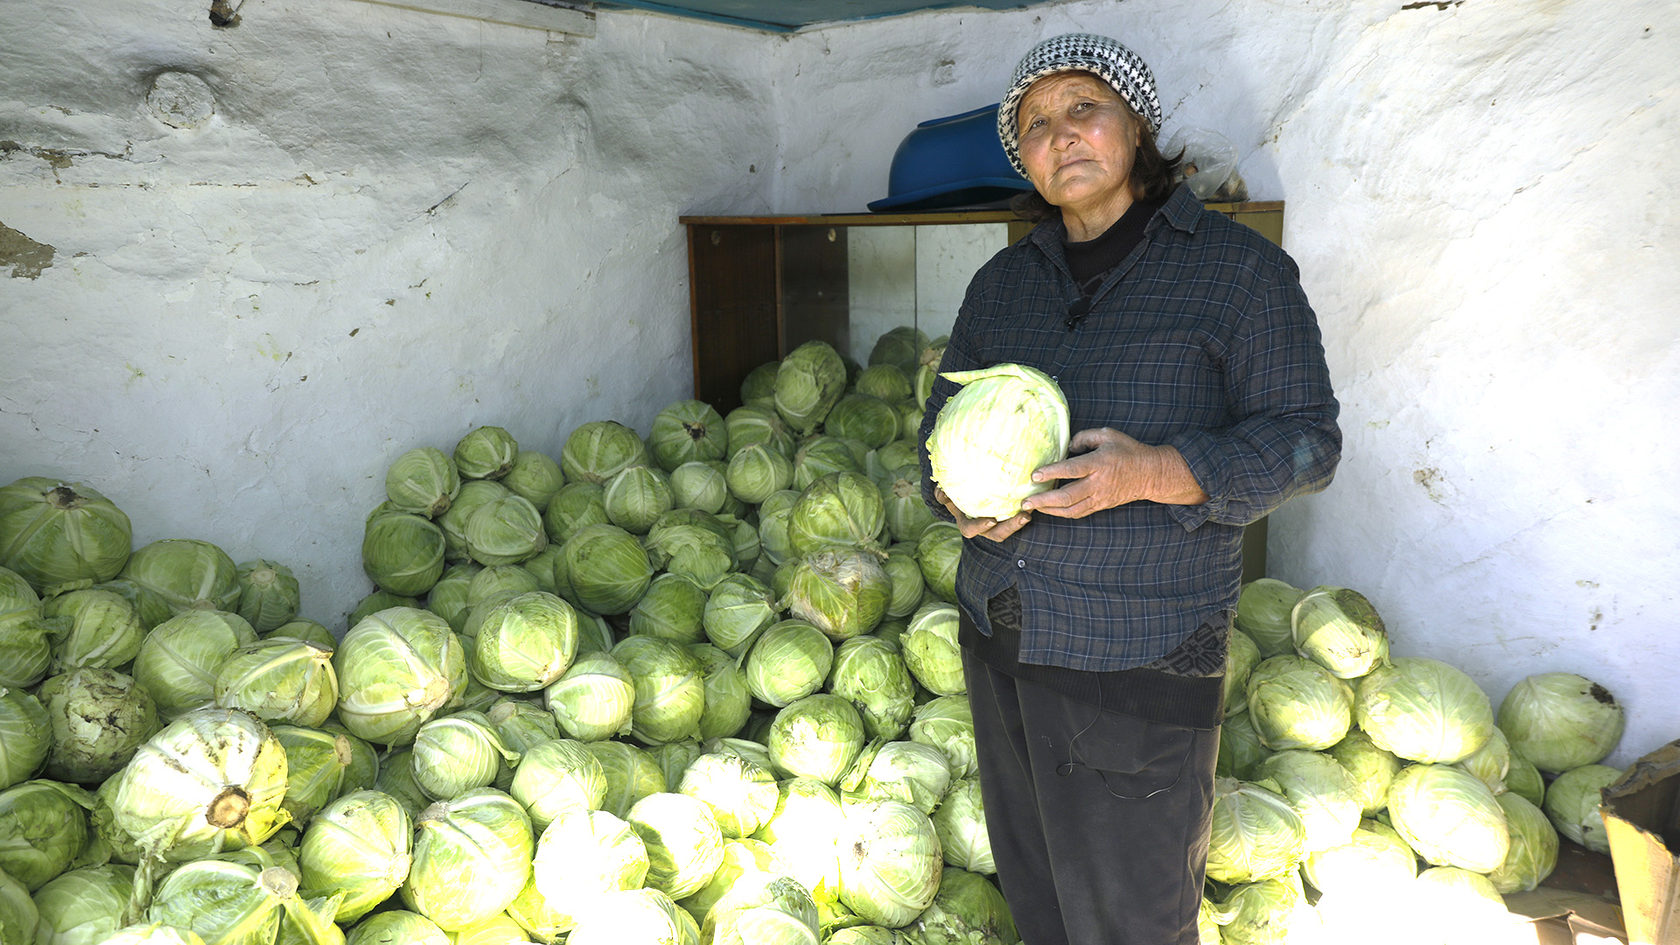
x=1005 y=421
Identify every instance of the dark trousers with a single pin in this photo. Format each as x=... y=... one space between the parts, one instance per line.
x=1098 y=819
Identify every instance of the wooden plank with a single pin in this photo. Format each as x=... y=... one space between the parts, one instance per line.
x=733 y=296
x=934 y=218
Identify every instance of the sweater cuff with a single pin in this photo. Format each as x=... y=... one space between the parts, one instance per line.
x=1200 y=452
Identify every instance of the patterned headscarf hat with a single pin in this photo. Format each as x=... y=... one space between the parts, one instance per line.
x=1078 y=52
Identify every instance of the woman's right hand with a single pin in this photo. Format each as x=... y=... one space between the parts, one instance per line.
x=988 y=528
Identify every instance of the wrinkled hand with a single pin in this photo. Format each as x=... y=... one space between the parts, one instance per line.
x=1111 y=469
x=988 y=528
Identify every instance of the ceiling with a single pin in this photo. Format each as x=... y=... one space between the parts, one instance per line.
x=787 y=16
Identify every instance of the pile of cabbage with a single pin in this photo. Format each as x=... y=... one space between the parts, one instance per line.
x=693 y=684
x=1365 y=796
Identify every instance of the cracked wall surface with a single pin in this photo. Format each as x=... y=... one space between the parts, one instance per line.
x=284 y=251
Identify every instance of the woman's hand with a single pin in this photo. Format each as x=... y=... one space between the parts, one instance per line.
x=1112 y=469
x=988 y=528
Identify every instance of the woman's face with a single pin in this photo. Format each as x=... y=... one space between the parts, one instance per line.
x=1077 y=140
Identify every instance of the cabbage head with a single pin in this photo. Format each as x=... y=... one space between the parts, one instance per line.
x=671 y=608
x=593 y=699
x=739 y=608
x=1424 y=710
x=636 y=496
x=1534 y=846
x=1241 y=656
x=522 y=643
x=929 y=645
x=1256 y=833
x=423 y=481
x=213 y=779
x=838 y=508
x=358 y=846
x=176 y=574
x=890 y=862
x=608 y=567
x=818 y=736
x=968 y=908
x=751 y=902
x=947 y=723
x=269 y=595
x=960 y=822
x=1320 y=790
x=598 y=450
x=809 y=382
x=1004 y=422
x=687 y=431
x=1267 y=912
x=1572 y=804
x=43 y=826
x=842 y=591
x=683 y=838
x=632 y=774
x=535 y=477
x=1240 y=748
x=938 y=550
x=863 y=417
x=179 y=659
x=1338 y=628
x=100 y=629
x=485 y=453
x=917 y=774
x=1449 y=817
x=83 y=906
x=558 y=776
x=870 y=673
x=279 y=680
x=788 y=662
x=576 y=504
x=472 y=856
x=403 y=553
x=1296 y=703
x=728 y=701
x=396 y=669
x=1265 y=611
x=97 y=718
x=1561 y=721
x=584 y=854
x=804 y=832
x=634 y=917
x=456 y=753
x=507 y=529
x=25 y=736
x=738 y=787
x=59 y=536
x=1368 y=867
x=1372 y=769
x=396 y=925
x=670 y=689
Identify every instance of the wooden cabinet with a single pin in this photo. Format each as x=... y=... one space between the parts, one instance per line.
x=760 y=286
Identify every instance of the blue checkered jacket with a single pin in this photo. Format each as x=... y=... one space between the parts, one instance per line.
x=1202 y=338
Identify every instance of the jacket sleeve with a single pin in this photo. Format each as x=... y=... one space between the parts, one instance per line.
x=1284 y=441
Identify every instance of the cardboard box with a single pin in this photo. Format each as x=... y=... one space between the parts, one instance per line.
x=1642 y=817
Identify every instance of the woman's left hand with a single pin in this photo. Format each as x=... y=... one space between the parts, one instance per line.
x=1111 y=469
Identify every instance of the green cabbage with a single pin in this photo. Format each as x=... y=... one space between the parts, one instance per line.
x=472 y=856
x=1256 y=833
x=1424 y=710
x=1004 y=422
x=1449 y=817
x=1572 y=804
x=1561 y=721
x=1340 y=630
x=56 y=535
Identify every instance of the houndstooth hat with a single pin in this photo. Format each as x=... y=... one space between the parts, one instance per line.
x=1078 y=52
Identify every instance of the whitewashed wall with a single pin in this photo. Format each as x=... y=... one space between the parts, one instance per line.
x=376 y=229
x=1476 y=197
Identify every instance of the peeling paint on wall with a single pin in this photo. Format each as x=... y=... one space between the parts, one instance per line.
x=25 y=256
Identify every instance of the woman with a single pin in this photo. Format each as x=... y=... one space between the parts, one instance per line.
x=1094 y=621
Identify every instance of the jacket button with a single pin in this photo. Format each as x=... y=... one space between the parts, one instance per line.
x=1020 y=562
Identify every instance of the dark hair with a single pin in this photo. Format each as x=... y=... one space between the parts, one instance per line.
x=1154 y=175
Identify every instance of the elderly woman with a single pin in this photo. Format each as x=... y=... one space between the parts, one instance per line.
x=1094 y=622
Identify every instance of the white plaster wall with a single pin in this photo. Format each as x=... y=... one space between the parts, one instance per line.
x=1477 y=197
x=392 y=228
x=395 y=227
